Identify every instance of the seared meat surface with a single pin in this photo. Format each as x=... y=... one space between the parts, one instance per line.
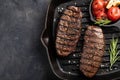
x=68 y=31
x=93 y=50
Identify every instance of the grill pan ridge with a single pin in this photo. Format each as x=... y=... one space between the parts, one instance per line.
x=68 y=67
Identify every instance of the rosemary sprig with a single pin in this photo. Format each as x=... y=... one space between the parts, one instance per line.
x=102 y=22
x=113 y=51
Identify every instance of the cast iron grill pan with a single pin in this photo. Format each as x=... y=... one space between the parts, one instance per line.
x=68 y=67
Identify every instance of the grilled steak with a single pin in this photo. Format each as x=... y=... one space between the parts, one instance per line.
x=68 y=31
x=93 y=50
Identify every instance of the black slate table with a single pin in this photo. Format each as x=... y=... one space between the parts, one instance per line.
x=22 y=55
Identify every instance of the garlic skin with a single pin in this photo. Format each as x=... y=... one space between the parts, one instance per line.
x=113 y=3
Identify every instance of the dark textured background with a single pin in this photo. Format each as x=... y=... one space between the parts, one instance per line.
x=22 y=55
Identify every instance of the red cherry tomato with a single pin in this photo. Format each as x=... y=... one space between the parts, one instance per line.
x=106 y=2
x=98 y=11
x=97 y=4
x=101 y=15
x=114 y=13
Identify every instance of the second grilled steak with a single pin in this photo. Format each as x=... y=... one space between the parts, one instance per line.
x=93 y=50
x=68 y=32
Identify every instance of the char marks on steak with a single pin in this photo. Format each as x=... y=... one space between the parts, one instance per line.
x=68 y=31
x=93 y=50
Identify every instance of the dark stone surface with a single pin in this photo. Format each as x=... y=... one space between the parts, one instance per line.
x=22 y=55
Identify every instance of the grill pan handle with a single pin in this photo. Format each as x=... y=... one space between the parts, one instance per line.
x=44 y=38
